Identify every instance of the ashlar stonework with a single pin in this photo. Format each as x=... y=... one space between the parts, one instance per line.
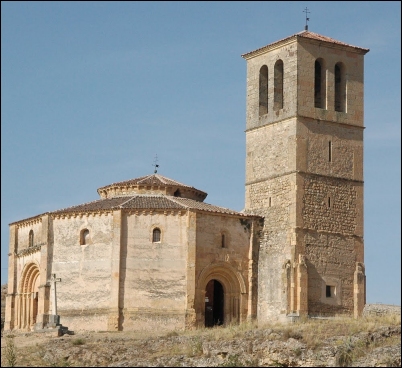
x=150 y=253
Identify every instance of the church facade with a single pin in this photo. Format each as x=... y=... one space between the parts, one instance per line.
x=150 y=253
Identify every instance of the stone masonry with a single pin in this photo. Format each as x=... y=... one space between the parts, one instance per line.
x=151 y=254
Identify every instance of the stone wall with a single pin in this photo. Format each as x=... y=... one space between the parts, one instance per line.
x=153 y=274
x=287 y=54
x=381 y=310
x=226 y=260
x=83 y=294
x=308 y=52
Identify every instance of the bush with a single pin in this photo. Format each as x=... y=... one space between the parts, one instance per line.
x=78 y=342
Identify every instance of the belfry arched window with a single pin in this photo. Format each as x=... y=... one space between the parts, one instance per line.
x=320 y=84
x=340 y=87
x=278 y=85
x=31 y=238
x=156 y=235
x=263 y=91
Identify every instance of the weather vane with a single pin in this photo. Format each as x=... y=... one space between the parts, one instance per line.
x=307 y=19
x=155 y=164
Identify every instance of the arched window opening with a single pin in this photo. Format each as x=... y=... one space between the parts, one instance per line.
x=319 y=84
x=177 y=193
x=223 y=243
x=278 y=85
x=31 y=238
x=263 y=104
x=340 y=88
x=84 y=237
x=156 y=235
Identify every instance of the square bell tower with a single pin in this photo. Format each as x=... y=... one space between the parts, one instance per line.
x=304 y=174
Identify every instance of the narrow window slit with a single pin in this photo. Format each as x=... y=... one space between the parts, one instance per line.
x=330 y=151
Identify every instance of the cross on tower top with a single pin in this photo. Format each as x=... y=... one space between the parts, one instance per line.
x=155 y=164
x=307 y=19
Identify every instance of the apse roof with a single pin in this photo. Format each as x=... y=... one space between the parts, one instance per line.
x=153 y=179
x=146 y=202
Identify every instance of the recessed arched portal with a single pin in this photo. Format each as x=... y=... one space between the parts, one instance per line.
x=27 y=298
x=221 y=295
x=214 y=303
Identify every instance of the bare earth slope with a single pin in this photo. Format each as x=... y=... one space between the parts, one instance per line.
x=372 y=341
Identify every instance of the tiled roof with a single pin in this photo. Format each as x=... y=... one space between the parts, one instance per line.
x=189 y=203
x=154 y=179
x=151 y=202
x=144 y=201
x=306 y=34
x=100 y=204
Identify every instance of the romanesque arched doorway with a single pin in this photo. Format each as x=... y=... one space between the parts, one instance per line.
x=27 y=298
x=214 y=304
x=221 y=295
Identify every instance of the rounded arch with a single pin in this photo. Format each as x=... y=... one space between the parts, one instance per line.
x=156 y=235
x=232 y=280
x=28 y=296
x=278 y=85
x=263 y=90
x=230 y=303
x=320 y=83
x=340 y=87
x=29 y=278
x=85 y=238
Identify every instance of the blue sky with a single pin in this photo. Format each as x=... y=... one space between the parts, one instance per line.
x=91 y=91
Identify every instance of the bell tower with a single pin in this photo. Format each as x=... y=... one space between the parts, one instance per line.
x=304 y=174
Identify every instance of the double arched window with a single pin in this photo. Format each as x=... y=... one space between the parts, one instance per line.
x=263 y=88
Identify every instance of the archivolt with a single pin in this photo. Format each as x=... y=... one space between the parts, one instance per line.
x=28 y=278
x=226 y=274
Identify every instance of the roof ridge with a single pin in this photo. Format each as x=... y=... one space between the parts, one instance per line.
x=161 y=178
x=173 y=199
x=131 y=198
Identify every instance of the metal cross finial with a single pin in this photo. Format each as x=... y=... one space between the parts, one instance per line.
x=155 y=164
x=307 y=19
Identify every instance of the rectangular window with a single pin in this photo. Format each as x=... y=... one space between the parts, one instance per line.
x=330 y=291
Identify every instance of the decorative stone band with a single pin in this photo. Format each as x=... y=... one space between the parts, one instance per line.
x=29 y=250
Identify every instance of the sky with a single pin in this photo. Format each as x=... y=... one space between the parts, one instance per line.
x=91 y=92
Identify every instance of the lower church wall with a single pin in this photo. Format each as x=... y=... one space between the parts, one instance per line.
x=272 y=199
x=331 y=262
x=153 y=319
x=84 y=269
x=87 y=320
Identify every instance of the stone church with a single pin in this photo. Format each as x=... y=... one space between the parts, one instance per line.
x=150 y=253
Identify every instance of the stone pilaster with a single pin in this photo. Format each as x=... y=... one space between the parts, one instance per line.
x=9 y=322
x=302 y=287
x=359 y=287
x=191 y=317
x=45 y=267
x=114 y=322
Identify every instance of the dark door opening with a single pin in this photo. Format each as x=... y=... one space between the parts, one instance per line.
x=214 y=304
